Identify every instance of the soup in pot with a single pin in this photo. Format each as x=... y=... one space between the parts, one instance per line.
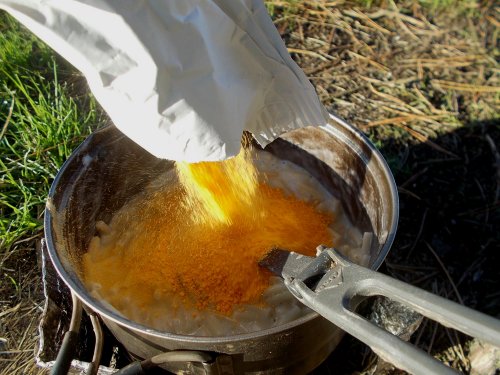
x=182 y=257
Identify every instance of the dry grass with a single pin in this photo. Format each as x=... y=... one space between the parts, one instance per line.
x=19 y=322
x=405 y=74
x=41 y=122
x=396 y=64
x=424 y=84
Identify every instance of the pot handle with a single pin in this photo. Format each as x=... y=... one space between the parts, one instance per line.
x=344 y=286
x=69 y=344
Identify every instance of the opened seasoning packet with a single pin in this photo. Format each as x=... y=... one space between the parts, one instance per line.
x=181 y=78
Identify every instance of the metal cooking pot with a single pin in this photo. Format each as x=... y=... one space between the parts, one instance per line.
x=108 y=169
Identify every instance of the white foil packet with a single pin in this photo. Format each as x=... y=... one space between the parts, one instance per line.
x=182 y=78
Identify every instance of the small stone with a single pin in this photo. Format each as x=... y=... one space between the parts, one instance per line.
x=484 y=358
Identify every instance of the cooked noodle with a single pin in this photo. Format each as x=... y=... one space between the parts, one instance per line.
x=122 y=248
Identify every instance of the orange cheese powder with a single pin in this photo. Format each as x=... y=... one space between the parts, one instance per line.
x=198 y=243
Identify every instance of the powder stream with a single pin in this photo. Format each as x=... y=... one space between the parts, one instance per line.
x=219 y=189
x=203 y=253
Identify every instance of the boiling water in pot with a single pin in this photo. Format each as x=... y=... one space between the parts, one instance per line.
x=182 y=257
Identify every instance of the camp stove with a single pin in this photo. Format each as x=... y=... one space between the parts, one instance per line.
x=103 y=174
x=97 y=350
x=57 y=313
x=56 y=319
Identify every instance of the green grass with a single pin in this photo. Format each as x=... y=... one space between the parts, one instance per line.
x=41 y=122
x=51 y=115
x=49 y=119
x=288 y=7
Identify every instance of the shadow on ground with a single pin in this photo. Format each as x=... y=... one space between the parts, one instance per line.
x=450 y=209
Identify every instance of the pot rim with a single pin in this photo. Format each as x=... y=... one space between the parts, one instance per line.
x=124 y=322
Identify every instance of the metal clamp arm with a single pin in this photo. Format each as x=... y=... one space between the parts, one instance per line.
x=388 y=346
x=336 y=295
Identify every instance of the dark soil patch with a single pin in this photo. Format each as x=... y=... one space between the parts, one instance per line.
x=450 y=205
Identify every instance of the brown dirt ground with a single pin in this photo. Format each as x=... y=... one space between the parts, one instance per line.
x=424 y=85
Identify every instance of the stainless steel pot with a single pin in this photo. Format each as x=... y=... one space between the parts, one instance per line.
x=108 y=169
